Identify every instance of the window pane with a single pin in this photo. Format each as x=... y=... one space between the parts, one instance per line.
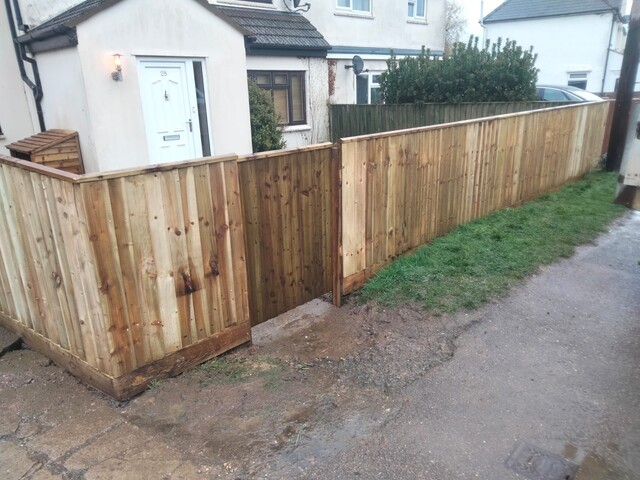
x=279 y=79
x=344 y=3
x=410 y=12
x=362 y=89
x=375 y=95
x=420 y=8
x=375 y=78
x=361 y=5
x=263 y=79
x=281 y=104
x=297 y=99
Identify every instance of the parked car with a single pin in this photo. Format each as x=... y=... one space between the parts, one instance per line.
x=564 y=93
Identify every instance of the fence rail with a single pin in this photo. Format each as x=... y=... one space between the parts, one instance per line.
x=354 y=120
x=127 y=276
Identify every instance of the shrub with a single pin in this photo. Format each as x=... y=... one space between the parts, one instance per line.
x=266 y=133
x=495 y=73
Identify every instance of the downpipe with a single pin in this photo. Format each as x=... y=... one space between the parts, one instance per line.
x=22 y=57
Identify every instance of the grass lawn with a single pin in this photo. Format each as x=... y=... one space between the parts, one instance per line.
x=481 y=260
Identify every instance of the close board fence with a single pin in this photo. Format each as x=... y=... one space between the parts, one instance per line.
x=355 y=120
x=401 y=189
x=125 y=277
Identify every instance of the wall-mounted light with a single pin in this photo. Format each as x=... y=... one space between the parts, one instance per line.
x=117 y=63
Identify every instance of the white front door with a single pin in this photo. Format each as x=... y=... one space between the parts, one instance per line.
x=170 y=110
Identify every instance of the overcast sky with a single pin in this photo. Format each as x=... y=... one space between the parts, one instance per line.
x=472 y=8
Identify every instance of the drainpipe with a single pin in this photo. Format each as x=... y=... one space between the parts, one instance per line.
x=21 y=57
x=606 y=62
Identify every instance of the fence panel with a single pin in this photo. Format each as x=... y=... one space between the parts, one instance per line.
x=354 y=120
x=287 y=200
x=402 y=189
x=127 y=276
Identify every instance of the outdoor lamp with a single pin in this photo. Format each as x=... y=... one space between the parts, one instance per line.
x=117 y=73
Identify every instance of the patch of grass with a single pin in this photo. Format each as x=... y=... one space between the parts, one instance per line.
x=226 y=370
x=481 y=260
x=155 y=384
x=236 y=370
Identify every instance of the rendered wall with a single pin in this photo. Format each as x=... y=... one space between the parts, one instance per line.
x=567 y=44
x=178 y=29
x=15 y=117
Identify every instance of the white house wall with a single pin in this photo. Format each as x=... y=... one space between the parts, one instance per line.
x=65 y=101
x=316 y=129
x=386 y=27
x=566 y=44
x=159 y=28
x=15 y=117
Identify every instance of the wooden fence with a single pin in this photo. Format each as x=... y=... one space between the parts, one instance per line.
x=128 y=276
x=353 y=120
x=402 y=189
x=287 y=200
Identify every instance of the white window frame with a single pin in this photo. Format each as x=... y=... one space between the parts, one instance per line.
x=370 y=84
x=415 y=16
x=350 y=8
x=578 y=77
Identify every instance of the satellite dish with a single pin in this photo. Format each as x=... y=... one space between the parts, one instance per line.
x=357 y=64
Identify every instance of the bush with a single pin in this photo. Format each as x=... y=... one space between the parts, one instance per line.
x=266 y=133
x=495 y=73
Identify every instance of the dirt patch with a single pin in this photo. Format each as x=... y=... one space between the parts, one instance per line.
x=314 y=381
x=300 y=396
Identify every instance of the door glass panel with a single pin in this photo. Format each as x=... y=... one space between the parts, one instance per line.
x=202 y=108
x=281 y=104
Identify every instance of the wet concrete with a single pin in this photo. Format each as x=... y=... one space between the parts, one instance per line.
x=364 y=392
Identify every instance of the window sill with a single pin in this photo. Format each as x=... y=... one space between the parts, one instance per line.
x=364 y=15
x=296 y=128
x=417 y=22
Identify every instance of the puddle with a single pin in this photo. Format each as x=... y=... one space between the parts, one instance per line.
x=592 y=466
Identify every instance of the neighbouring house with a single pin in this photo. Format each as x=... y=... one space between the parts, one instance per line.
x=578 y=42
x=153 y=81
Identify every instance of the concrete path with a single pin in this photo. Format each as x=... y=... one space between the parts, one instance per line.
x=552 y=369
x=556 y=365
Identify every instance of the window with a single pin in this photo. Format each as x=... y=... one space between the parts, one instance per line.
x=356 y=5
x=578 y=80
x=417 y=9
x=368 y=88
x=287 y=93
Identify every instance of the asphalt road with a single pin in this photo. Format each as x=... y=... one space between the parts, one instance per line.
x=554 y=366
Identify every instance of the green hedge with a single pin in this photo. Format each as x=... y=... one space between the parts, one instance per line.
x=494 y=73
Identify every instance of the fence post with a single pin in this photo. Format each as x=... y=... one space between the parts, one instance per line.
x=336 y=227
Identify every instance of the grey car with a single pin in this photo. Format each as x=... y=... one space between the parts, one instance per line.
x=564 y=93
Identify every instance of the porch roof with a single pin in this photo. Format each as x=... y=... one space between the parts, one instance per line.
x=270 y=32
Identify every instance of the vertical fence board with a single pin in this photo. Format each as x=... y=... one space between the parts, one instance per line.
x=288 y=209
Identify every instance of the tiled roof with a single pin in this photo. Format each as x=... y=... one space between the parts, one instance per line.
x=276 y=29
x=527 y=9
x=68 y=16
